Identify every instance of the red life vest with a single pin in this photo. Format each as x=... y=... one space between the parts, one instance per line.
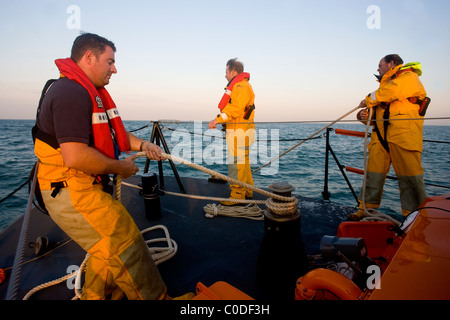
x=105 y=117
x=226 y=96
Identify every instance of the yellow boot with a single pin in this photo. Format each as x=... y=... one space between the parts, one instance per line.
x=356 y=216
x=360 y=214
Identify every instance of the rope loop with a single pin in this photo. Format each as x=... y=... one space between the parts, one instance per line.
x=282 y=208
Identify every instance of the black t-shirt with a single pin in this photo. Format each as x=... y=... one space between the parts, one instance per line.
x=66 y=112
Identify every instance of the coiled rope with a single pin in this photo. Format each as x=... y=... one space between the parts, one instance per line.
x=212 y=210
x=159 y=255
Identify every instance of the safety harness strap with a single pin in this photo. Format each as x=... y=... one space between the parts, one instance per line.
x=386 y=123
x=35 y=131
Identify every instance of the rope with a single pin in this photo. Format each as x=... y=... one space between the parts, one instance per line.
x=192 y=196
x=371 y=214
x=279 y=208
x=49 y=284
x=288 y=207
x=294 y=139
x=159 y=255
x=307 y=121
x=248 y=212
x=226 y=178
x=301 y=142
x=223 y=137
x=78 y=277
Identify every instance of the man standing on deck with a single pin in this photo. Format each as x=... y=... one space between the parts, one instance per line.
x=237 y=114
x=78 y=137
x=400 y=96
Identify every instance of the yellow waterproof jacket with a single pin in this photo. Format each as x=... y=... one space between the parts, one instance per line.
x=52 y=169
x=242 y=97
x=396 y=86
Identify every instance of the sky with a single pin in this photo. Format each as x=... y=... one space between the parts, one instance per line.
x=308 y=60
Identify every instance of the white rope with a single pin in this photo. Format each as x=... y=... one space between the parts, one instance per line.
x=213 y=210
x=280 y=208
x=288 y=207
x=78 y=277
x=252 y=212
x=193 y=196
x=301 y=142
x=49 y=284
x=371 y=213
x=159 y=255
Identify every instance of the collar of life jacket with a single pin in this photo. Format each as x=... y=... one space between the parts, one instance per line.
x=412 y=66
x=229 y=88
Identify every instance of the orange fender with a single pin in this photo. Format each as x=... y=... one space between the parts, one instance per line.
x=2 y=275
x=319 y=283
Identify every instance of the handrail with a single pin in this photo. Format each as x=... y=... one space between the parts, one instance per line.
x=17 y=266
x=361 y=171
x=349 y=133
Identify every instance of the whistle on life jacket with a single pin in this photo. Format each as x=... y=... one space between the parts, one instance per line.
x=248 y=111
x=423 y=104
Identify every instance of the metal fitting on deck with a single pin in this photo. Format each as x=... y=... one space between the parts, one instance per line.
x=282 y=189
x=151 y=193
x=281 y=246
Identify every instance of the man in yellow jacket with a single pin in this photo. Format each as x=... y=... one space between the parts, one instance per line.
x=397 y=138
x=76 y=151
x=237 y=114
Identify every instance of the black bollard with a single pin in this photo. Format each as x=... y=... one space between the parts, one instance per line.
x=282 y=258
x=150 y=191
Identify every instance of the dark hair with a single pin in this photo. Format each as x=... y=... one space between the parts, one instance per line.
x=92 y=42
x=393 y=57
x=234 y=64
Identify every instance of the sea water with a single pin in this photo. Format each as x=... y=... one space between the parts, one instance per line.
x=303 y=167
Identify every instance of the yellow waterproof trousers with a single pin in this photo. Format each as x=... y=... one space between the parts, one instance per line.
x=239 y=144
x=120 y=262
x=408 y=169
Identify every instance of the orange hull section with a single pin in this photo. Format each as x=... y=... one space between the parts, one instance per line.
x=414 y=265
x=421 y=265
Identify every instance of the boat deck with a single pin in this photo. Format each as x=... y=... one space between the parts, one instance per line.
x=209 y=249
